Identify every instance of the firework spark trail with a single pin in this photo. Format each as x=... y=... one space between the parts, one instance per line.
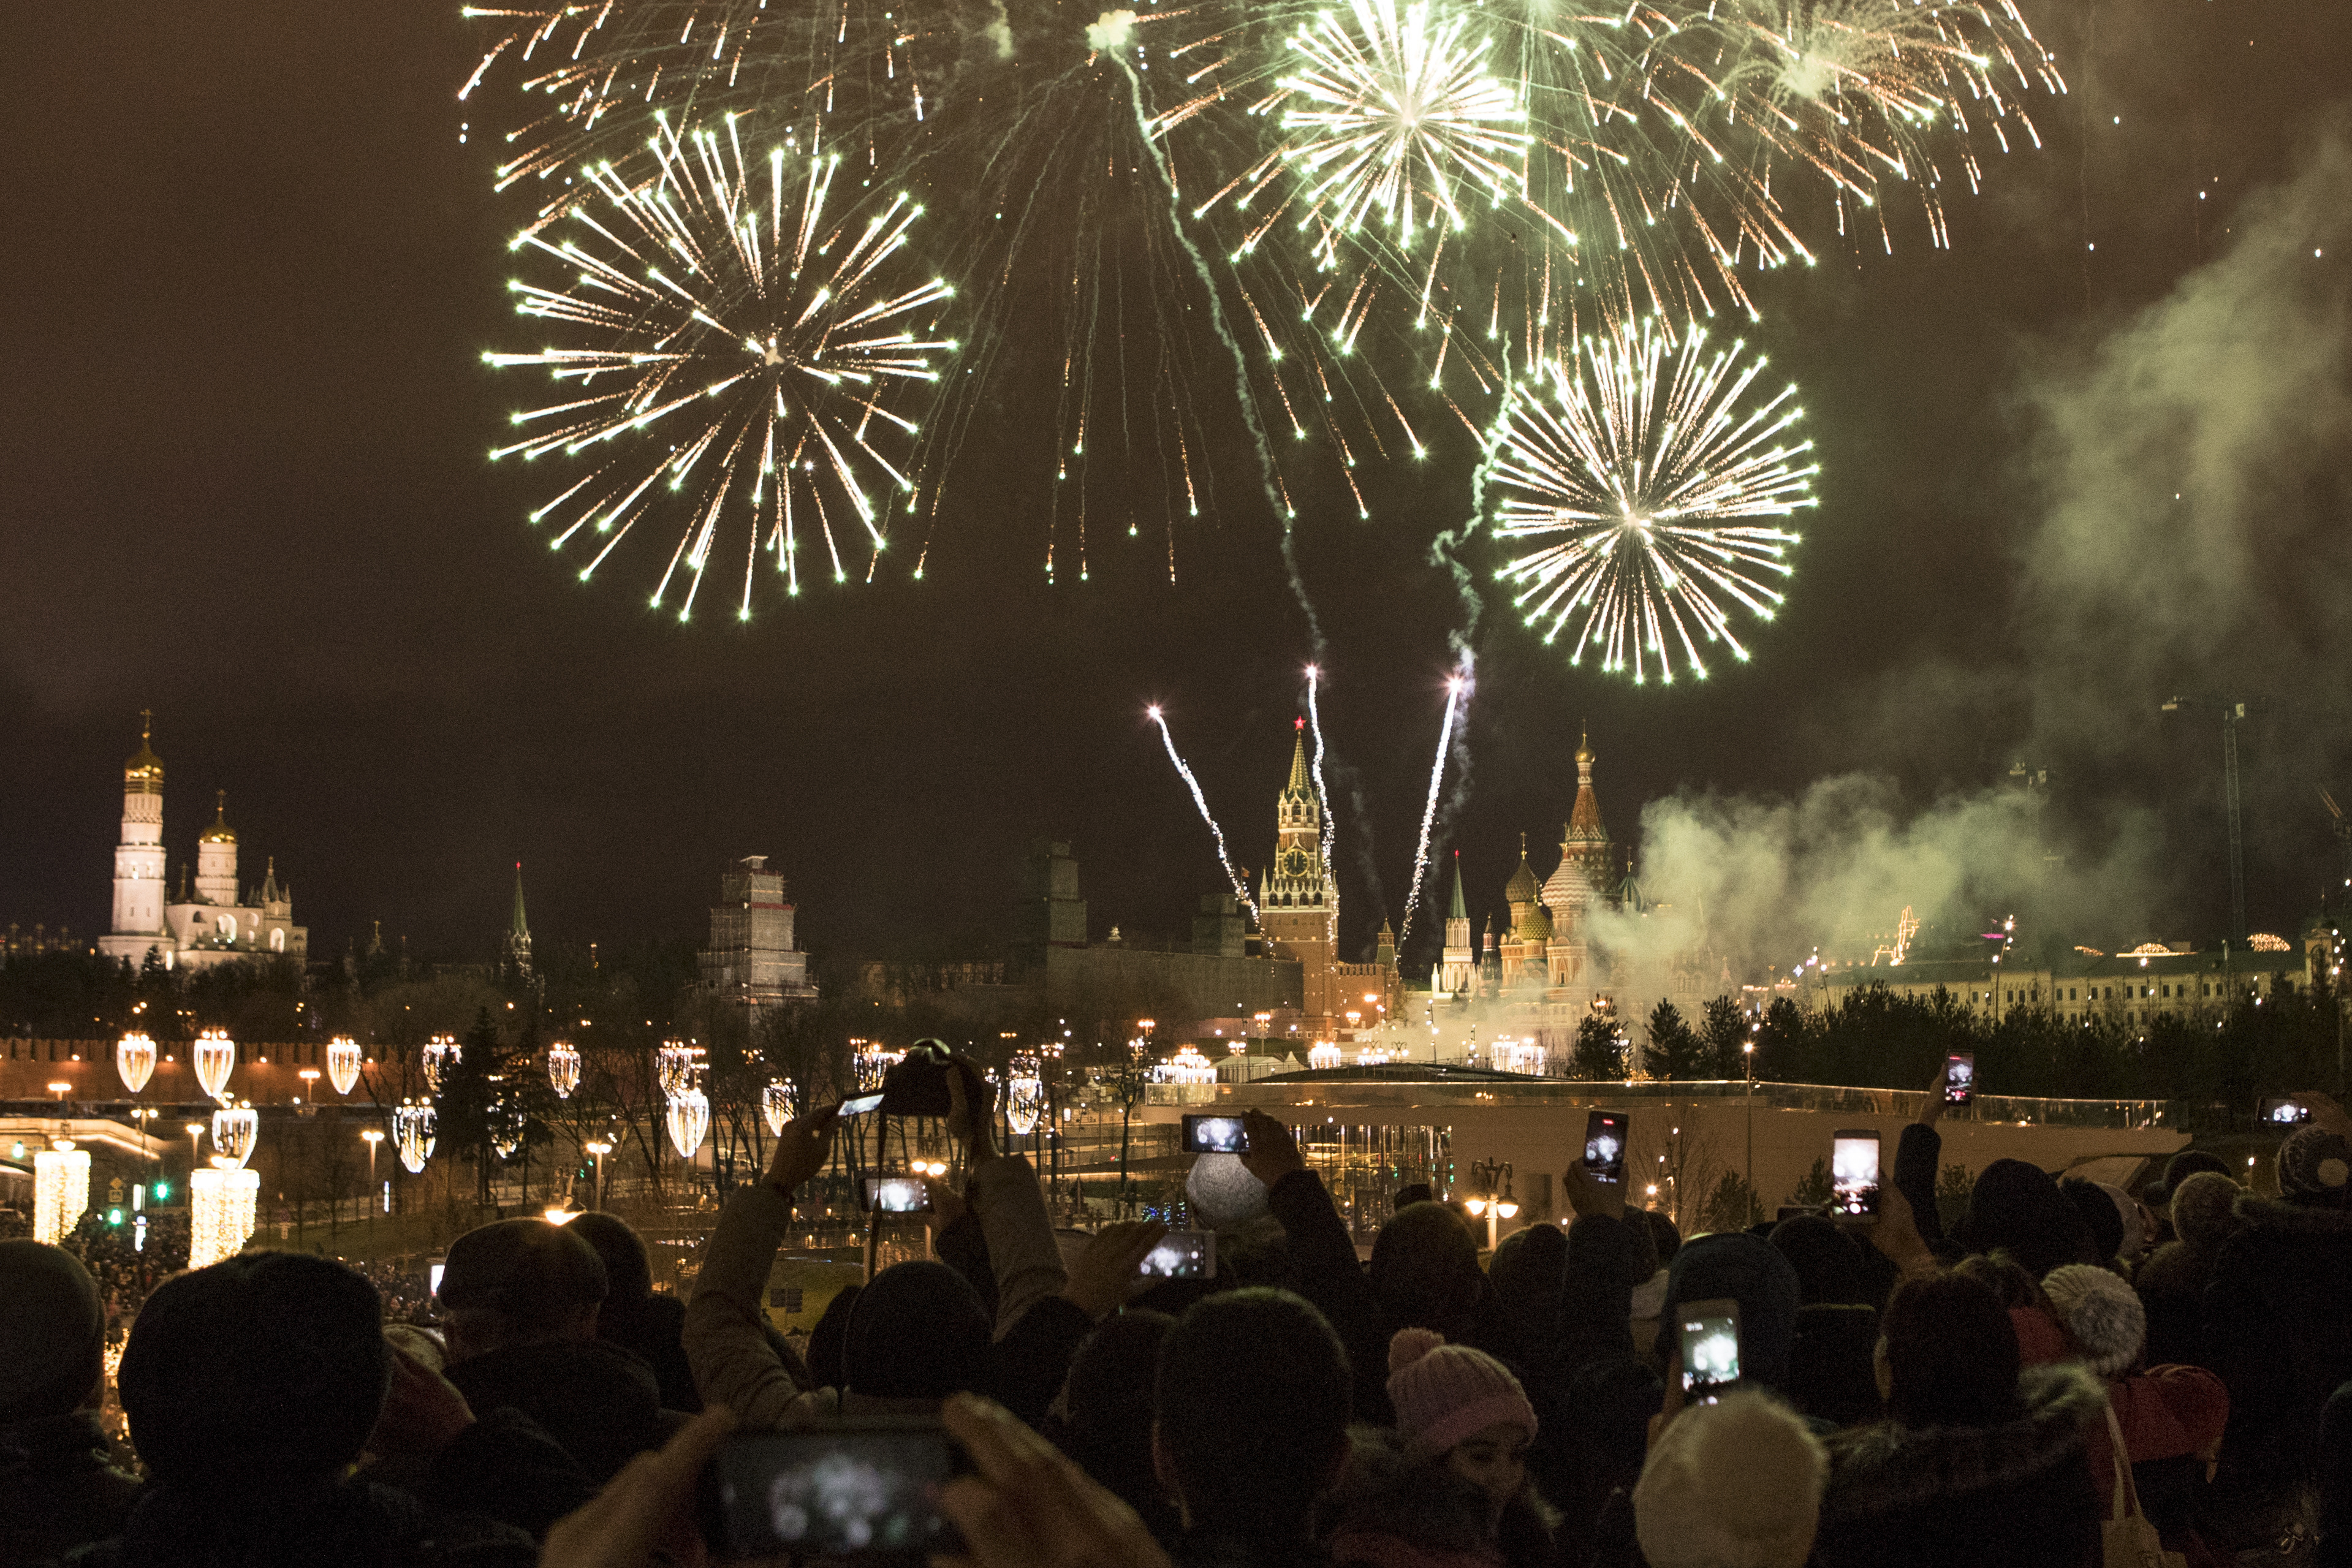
x=1322 y=796
x=1454 y=689
x=1242 y=394
x=1241 y=888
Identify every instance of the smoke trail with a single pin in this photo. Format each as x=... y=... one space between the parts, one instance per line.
x=1453 y=693
x=1442 y=549
x=1241 y=888
x=1274 y=496
x=1322 y=796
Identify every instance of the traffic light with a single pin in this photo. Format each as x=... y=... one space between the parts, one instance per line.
x=114 y=1217
x=163 y=1192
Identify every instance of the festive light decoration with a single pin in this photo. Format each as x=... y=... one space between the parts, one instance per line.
x=508 y=1122
x=222 y=1201
x=441 y=1054
x=215 y=1055
x=676 y=1066
x=1024 y=1096
x=134 y=1058
x=1323 y=1054
x=235 y=1129
x=778 y=1101
x=563 y=1068
x=60 y=1190
x=1186 y=1066
x=411 y=1134
x=688 y=1119
x=870 y=1062
x=343 y=1059
x=1514 y=1056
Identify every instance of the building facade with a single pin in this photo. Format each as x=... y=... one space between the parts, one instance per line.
x=1299 y=901
x=753 y=959
x=216 y=922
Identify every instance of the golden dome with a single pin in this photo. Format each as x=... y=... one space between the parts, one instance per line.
x=144 y=773
x=1584 y=756
x=220 y=832
x=1522 y=888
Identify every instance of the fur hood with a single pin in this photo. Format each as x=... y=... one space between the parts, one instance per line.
x=2258 y=1213
x=1889 y=1468
x=1426 y=1509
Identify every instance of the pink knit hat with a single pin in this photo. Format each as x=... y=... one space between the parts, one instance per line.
x=1445 y=1393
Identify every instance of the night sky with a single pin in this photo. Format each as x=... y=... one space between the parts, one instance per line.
x=250 y=271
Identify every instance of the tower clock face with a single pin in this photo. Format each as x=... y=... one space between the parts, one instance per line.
x=1294 y=862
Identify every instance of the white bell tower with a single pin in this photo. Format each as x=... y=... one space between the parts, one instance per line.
x=138 y=858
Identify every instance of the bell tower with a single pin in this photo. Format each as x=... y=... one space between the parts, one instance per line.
x=1298 y=903
x=138 y=858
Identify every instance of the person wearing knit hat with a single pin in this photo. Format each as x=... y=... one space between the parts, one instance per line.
x=1736 y=1484
x=60 y=1487
x=1449 y=1485
x=2315 y=1168
x=2171 y=1283
x=2101 y=1316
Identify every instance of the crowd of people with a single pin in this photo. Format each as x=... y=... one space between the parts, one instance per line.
x=2073 y=1376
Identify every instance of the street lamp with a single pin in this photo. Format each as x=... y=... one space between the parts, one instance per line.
x=599 y=1149
x=1487 y=1202
x=371 y=1136
x=196 y=1130
x=310 y=1077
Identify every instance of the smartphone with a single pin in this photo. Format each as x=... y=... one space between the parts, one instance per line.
x=1960 y=1078
x=1184 y=1255
x=2284 y=1113
x=1710 y=1348
x=1214 y=1136
x=897 y=1195
x=860 y=1105
x=1604 y=1146
x=1853 y=1175
x=863 y=1490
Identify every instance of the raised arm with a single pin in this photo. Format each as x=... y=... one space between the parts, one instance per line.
x=726 y=1342
x=1328 y=1272
x=1917 y=1155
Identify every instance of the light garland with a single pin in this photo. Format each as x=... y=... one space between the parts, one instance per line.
x=134 y=1058
x=1186 y=1066
x=870 y=1063
x=688 y=1118
x=442 y=1053
x=563 y=1068
x=411 y=1134
x=677 y=1066
x=215 y=1057
x=234 y=1130
x=1024 y=1096
x=221 y=1205
x=344 y=1062
x=61 y=1191
x=777 y=1103
x=1323 y=1054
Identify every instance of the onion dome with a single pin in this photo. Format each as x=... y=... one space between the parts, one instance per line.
x=1523 y=888
x=144 y=773
x=220 y=832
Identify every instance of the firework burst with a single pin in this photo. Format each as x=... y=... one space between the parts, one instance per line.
x=750 y=366
x=1633 y=485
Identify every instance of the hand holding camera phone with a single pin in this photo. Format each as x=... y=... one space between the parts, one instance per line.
x=1853 y=1175
x=1709 y=1338
x=1205 y=1135
x=860 y=1488
x=1184 y=1255
x=1960 y=1078
x=1604 y=1146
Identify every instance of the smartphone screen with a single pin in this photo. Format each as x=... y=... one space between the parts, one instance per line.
x=897 y=1194
x=1710 y=1348
x=1853 y=1175
x=1960 y=1078
x=861 y=1105
x=1184 y=1255
x=867 y=1489
x=1604 y=1145
x=2284 y=1113
x=1214 y=1136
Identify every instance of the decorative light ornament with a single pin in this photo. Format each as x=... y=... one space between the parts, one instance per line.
x=215 y=1058
x=688 y=1117
x=870 y=1062
x=442 y=1053
x=677 y=1065
x=235 y=1129
x=1322 y=1054
x=344 y=1062
x=777 y=1103
x=134 y=1058
x=1186 y=1066
x=411 y=1131
x=221 y=1205
x=1024 y=1096
x=562 y=1068
x=506 y=1128
x=61 y=1191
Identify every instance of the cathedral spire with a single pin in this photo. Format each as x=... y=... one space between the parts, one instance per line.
x=522 y=925
x=515 y=947
x=1460 y=910
x=1301 y=784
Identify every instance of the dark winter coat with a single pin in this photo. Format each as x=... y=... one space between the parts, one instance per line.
x=2016 y=1495
x=1390 y=1511
x=59 y=1487
x=598 y=1401
x=652 y=1328
x=2172 y=1286
x=2278 y=1328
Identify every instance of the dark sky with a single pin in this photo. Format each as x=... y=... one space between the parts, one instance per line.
x=250 y=269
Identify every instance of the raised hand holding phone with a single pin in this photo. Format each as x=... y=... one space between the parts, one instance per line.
x=1272 y=1153
x=801 y=1149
